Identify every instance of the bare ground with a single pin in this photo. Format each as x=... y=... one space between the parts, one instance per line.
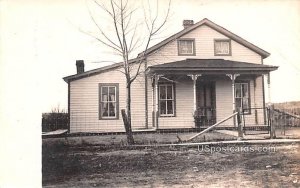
x=85 y=165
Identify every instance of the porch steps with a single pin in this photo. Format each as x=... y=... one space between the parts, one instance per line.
x=247 y=137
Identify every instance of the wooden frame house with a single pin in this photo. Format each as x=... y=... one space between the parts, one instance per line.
x=194 y=78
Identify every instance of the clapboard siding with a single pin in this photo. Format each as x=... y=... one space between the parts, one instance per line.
x=256 y=91
x=204 y=44
x=224 y=100
x=138 y=103
x=84 y=103
x=184 y=106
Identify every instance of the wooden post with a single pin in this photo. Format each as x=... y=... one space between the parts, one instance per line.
x=233 y=77
x=269 y=89
x=153 y=102
x=194 y=89
x=156 y=99
x=240 y=128
x=194 y=78
x=272 y=122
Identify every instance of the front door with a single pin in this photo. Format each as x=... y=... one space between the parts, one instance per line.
x=206 y=103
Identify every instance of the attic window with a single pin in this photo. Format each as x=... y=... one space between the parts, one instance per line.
x=186 y=47
x=222 y=47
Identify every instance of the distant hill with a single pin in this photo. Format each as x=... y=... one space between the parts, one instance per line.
x=291 y=107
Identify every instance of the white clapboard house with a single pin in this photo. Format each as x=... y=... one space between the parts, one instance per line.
x=194 y=78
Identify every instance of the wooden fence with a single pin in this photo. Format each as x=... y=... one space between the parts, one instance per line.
x=54 y=121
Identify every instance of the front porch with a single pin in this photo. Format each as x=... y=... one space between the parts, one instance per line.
x=199 y=92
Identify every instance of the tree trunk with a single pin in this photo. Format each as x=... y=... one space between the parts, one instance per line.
x=127 y=116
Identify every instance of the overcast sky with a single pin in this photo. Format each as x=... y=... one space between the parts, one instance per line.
x=40 y=41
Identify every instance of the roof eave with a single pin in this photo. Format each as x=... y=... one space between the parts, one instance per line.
x=255 y=69
x=90 y=72
x=97 y=71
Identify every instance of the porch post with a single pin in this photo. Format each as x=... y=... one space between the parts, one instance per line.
x=194 y=78
x=269 y=89
x=156 y=77
x=153 y=102
x=233 y=77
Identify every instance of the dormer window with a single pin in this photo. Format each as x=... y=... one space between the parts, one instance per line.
x=222 y=47
x=186 y=46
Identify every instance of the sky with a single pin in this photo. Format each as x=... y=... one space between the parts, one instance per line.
x=41 y=40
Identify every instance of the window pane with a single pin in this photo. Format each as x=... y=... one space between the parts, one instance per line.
x=238 y=103
x=112 y=91
x=245 y=103
x=162 y=107
x=186 y=46
x=112 y=109
x=170 y=107
x=104 y=93
x=162 y=92
x=245 y=90
x=222 y=47
x=242 y=96
x=238 y=90
x=169 y=92
x=104 y=109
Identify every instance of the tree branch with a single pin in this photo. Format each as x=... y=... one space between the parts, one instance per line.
x=102 y=32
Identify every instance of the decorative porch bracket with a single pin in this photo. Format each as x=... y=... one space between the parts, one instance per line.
x=232 y=78
x=194 y=78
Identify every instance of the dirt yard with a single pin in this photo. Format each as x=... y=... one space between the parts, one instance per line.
x=85 y=165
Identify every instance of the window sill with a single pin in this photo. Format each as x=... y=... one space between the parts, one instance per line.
x=222 y=54
x=166 y=116
x=246 y=113
x=107 y=118
x=186 y=54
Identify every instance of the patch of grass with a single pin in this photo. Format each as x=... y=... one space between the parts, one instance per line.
x=119 y=141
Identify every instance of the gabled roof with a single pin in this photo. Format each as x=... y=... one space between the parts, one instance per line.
x=205 y=21
x=215 y=65
x=216 y=27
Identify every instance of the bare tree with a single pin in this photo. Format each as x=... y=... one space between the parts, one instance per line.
x=57 y=109
x=126 y=39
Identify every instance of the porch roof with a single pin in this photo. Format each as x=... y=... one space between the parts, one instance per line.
x=214 y=66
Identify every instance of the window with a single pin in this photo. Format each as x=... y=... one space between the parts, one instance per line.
x=186 y=47
x=166 y=100
x=109 y=99
x=222 y=47
x=242 y=97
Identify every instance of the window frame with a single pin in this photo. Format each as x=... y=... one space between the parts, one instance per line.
x=186 y=54
x=222 y=40
x=249 y=95
x=116 y=85
x=173 y=99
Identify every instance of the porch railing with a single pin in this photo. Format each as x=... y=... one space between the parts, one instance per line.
x=205 y=116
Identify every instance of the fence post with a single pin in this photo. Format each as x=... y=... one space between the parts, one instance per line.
x=240 y=129
x=272 y=121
